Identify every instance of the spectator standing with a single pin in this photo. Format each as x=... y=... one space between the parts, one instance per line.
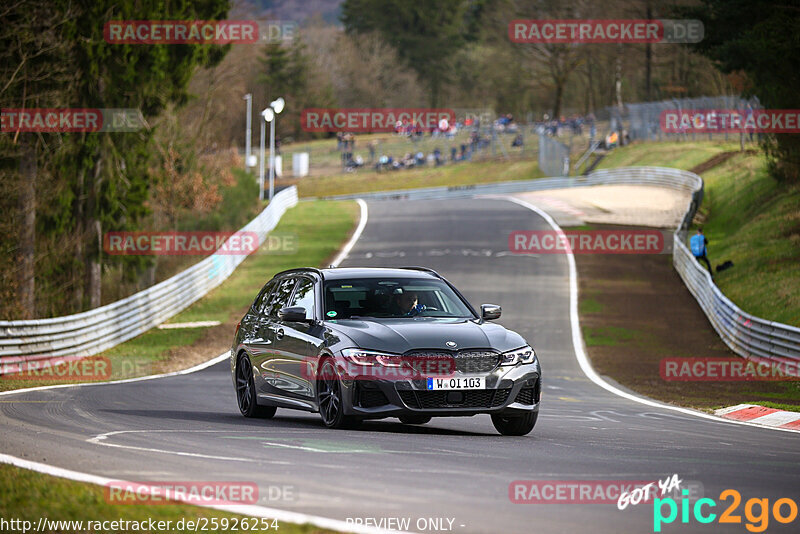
x=699 y=246
x=371 y=145
x=444 y=125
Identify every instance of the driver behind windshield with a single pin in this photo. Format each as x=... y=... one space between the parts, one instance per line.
x=405 y=304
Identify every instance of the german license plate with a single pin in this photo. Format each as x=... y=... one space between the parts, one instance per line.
x=462 y=382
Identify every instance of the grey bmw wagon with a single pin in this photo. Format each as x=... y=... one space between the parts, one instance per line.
x=368 y=343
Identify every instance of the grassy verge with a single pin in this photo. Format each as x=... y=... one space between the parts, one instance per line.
x=28 y=496
x=754 y=221
x=317 y=229
x=679 y=155
x=466 y=173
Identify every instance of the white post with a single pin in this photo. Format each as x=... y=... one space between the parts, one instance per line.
x=261 y=163
x=248 y=132
x=272 y=157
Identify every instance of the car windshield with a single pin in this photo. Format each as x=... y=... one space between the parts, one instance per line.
x=392 y=298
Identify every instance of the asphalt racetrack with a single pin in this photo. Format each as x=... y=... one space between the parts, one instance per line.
x=188 y=427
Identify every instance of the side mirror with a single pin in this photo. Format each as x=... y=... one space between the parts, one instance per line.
x=490 y=312
x=294 y=313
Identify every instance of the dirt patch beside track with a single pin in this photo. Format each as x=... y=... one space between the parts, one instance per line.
x=635 y=311
x=719 y=159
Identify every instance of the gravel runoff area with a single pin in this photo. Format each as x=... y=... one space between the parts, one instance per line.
x=632 y=205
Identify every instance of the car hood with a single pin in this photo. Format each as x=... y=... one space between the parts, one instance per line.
x=401 y=335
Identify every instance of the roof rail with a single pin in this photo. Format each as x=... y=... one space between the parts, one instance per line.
x=302 y=270
x=425 y=269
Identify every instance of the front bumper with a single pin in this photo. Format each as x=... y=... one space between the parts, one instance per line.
x=509 y=391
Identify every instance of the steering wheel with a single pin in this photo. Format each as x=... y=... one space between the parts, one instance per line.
x=416 y=310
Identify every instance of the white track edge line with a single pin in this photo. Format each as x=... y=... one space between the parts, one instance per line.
x=252 y=510
x=198 y=367
x=577 y=338
x=243 y=509
x=356 y=235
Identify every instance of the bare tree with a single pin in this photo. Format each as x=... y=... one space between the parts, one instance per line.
x=33 y=73
x=552 y=65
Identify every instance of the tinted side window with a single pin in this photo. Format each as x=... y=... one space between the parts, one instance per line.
x=304 y=296
x=280 y=297
x=263 y=298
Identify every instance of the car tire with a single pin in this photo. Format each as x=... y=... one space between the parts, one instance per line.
x=246 y=391
x=329 y=398
x=516 y=425
x=414 y=419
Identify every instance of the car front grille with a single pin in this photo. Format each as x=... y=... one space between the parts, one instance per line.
x=467 y=361
x=473 y=398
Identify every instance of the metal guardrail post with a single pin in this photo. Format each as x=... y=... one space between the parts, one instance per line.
x=93 y=331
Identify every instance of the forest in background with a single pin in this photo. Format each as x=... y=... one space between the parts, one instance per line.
x=59 y=193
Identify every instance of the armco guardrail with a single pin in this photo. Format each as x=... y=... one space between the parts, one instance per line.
x=94 y=331
x=748 y=336
x=632 y=175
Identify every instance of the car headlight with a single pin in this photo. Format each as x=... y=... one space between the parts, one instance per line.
x=524 y=355
x=371 y=357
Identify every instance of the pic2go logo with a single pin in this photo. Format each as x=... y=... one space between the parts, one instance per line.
x=757 y=521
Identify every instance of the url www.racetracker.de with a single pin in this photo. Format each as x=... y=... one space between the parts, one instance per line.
x=200 y=524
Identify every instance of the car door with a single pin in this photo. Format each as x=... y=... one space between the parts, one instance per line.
x=268 y=359
x=301 y=341
x=252 y=329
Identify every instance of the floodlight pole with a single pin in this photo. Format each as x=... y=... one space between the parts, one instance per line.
x=272 y=156
x=261 y=163
x=248 y=132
